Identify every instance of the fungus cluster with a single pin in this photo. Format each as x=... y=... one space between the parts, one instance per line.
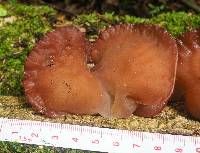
x=134 y=71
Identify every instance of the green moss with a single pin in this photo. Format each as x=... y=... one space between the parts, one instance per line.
x=95 y=22
x=175 y=22
x=13 y=147
x=3 y=11
x=92 y=22
x=26 y=24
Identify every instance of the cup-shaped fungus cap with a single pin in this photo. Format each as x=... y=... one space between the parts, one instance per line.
x=188 y=70
x=134 y=72
x=57 y=80
x=137 y=65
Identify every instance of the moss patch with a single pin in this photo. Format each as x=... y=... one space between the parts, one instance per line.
x=176 y=22
x=13 y=147
x=19 y=31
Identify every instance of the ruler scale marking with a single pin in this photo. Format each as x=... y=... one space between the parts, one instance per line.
x=94 y=138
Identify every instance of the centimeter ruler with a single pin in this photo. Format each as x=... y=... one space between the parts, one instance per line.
x=94 y=138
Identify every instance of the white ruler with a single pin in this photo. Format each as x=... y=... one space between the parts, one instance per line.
x=94 y=138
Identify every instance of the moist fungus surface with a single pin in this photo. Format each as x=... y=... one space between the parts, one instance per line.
x=134 y=72
x=57 y=79
x=137 y=65
x=188 y=71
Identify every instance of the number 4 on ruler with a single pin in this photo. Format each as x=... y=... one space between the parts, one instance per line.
x=94 y=137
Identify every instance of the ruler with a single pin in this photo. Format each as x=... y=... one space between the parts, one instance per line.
x=95 y=138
